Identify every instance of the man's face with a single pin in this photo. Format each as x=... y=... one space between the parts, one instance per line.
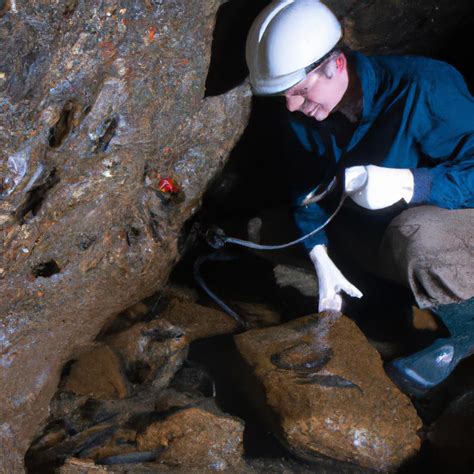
x=318 y=93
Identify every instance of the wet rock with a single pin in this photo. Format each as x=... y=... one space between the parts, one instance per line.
x=322 y=389
x=151 y=352
x=101 y=430
x=97 y=374
x=196 y=438
x=100 y=102
x=122 y=442
x=197 y=321
x=74 y=445
x=451 y=437
x=77 y=414
x=81 y=415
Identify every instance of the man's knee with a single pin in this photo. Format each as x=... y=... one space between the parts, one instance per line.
x=432 y=251
x=428 y=230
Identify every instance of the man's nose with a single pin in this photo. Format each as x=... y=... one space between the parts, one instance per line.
x=294 y=102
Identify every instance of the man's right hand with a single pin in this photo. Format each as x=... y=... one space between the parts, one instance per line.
x=331 y=281
x=377 y=187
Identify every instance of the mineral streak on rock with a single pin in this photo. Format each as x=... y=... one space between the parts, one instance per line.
x=195 y=438
x=89 y=101
x=328 y=381
x=302 y=358
x=334 y=401
x=310 y=355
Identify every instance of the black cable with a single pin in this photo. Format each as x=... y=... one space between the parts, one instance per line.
x=197 y=275
x=217 y=239
x=253 y=245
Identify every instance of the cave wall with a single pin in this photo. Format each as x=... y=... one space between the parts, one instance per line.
x=100 y=102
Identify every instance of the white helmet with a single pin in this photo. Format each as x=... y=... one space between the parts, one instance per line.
x=286 y=38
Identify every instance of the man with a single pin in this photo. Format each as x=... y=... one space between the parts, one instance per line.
x=403 y=127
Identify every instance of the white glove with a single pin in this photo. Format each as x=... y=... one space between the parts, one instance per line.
x=331 y=281
x=374 y=187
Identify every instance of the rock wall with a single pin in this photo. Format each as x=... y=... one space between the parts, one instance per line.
x=102 y=103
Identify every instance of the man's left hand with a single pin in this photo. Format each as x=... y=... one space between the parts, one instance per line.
x=375 y=187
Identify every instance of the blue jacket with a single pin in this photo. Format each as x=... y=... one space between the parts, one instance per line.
x=417 y=114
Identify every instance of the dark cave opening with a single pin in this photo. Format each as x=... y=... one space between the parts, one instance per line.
x=46 y=269
x=37 y=195
x=63 y=127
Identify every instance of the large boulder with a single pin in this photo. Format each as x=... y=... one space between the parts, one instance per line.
x=102 y=104
x=322 y=390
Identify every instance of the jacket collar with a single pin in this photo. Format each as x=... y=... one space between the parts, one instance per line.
x=365 y=70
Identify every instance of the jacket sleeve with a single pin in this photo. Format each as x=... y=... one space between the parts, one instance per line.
x=446 y=141
x=307 y=168
x=307 y=219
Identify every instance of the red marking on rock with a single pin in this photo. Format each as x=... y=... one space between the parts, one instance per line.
x=168 y=185
x=151 y=34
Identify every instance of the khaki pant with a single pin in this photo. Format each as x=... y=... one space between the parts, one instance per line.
x=430 y=250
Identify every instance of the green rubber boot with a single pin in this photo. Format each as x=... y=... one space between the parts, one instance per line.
x=418 y=373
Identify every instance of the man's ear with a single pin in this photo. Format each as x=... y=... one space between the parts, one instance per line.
x=341 y=62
